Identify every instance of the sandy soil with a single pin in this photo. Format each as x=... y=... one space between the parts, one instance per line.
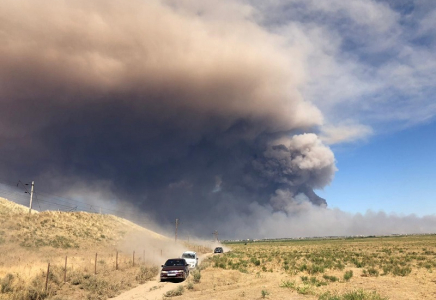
x=217 y=284
x=151 y=290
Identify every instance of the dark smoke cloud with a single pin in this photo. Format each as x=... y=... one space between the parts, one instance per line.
x=166 y=106
x=168 y=111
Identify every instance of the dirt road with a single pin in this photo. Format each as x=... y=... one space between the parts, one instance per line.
x=154 y=290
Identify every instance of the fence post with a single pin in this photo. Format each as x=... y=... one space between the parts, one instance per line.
x=116 y=262
x=65 y=270
x=95 y=264
x=46 y=277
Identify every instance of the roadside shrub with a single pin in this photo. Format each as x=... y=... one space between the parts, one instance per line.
x=75 y=277
x=34 y=291
x=175 y=292
x=146 y=274
x=196 y=275
x=99 y=288
x=220 y=262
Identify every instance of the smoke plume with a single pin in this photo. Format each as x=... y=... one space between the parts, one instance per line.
x=167 y=106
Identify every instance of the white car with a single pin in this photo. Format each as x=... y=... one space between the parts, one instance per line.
x=191 y=258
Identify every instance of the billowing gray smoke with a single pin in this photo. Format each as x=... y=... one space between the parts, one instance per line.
x=154 y=105
x=181 y=109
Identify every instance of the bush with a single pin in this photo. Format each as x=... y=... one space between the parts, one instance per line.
x=399 y=271
x=314 y=269
x=348 y=275
x=176 y=292
x=255 y=261
x=370 y=272
x=387 y=269
x=196 y=275
x=331 y=278
x=264 y=293
x=353 y=295
x=146 y=274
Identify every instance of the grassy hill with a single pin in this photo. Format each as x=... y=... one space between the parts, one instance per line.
x=64 y=229
x=104 y=254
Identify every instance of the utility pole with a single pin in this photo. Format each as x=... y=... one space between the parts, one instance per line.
x=31 y=197
x=215 y=233
x=177 y=225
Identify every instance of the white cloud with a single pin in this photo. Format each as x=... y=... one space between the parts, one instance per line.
x=344 y=132
x=366 y=61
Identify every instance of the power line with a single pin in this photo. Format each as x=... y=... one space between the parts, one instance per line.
x=66 y=203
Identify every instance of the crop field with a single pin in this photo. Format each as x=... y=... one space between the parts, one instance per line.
x=402 y=267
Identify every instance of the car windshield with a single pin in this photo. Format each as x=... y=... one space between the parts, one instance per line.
x=188 y=255
x=175 y=262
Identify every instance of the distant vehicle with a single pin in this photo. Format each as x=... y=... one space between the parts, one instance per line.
x=174 y=269
x=191 y=258
x=218 y=250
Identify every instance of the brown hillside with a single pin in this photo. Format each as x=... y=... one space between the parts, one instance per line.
x=28 y=242
x=65 y=229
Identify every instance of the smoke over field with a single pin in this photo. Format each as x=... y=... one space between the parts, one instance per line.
x=180 y=110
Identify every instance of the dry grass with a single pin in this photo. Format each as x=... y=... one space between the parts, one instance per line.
x=29 y=242
x=400 y=268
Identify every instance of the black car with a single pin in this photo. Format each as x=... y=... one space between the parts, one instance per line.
x=218 y=250
x=175 y=269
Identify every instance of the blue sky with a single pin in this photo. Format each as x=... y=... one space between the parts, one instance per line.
x=371 y=68
x=394 y=172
